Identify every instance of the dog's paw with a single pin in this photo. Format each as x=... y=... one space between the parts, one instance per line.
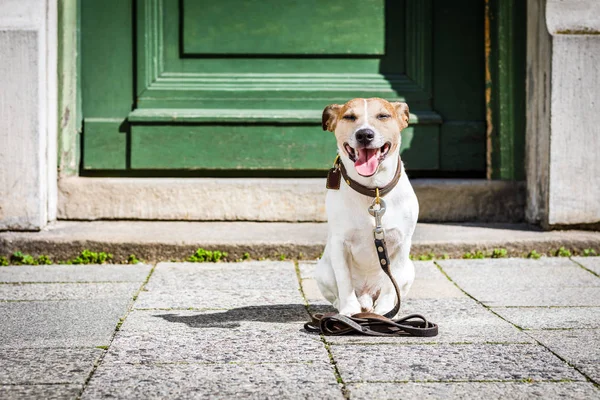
x=350 y=308
x=385 y=304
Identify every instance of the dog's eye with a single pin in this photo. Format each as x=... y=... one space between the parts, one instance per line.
x=349 y=117
x=383 y=116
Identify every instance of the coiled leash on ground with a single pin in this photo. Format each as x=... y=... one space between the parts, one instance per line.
x=370 y=323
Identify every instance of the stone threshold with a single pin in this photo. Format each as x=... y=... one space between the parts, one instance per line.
x=271 y=199
x=167 y=240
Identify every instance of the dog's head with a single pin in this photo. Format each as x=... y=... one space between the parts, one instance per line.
x=367 y=130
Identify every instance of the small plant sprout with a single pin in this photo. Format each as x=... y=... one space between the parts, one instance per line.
x=426 y=257
x=91 y=257
x=3 y=261
x=132 y=259
x=589 y=253
x=562 y=252
x=44 y=260
x=534 y=254
x=201 y=255
x=499 y=253
x=475 y=255
x=18 y=258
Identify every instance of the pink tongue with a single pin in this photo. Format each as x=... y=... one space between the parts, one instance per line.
x=367 y=162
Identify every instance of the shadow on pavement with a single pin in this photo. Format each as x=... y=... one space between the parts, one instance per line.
x=283 y=313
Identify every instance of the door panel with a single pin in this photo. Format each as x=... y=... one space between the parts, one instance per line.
x=283 y=27
x=239 y=86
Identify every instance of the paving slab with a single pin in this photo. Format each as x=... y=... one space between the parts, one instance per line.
x=429 y=283
x=551 y=317
x=60 y=323
x=46 y=392
x=591 y=263
x=189 y=381
x=267 y=275
x=46 y=365
x=75 y=273
x=444 y=362
x=459 y=320
x=221 y=285
x=473 y=390
x=525 y=282
x=312 y=293
x=310 y=288
x=243 y=335
x=184 y=298
x=580 y=347
x=307 y=268
x=68 y=291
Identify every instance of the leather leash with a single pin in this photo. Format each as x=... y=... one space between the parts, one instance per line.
x=372 y=324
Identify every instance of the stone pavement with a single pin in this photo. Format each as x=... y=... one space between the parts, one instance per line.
x=509 y=328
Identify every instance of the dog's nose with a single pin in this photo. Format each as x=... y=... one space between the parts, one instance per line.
x=364 y=136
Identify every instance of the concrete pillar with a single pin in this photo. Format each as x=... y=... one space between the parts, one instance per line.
x=27 y=113
x=563 y=113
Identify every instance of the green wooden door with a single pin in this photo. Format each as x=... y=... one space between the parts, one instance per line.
x=236 y=87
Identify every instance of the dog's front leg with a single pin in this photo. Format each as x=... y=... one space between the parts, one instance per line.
x=340 y=262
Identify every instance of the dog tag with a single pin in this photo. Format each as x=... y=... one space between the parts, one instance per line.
x=334 y=177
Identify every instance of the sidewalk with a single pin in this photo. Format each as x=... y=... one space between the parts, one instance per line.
x=509 y=328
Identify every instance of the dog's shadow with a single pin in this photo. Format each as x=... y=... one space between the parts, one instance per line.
x=283 y=313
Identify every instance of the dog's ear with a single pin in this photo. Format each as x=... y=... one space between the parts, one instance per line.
x=402 y=112
x=329 y=119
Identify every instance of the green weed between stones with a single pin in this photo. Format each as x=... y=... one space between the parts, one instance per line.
x=91 y=257
x=562 y=252
x=85 y=257
x=132 y=259
x=244 y=257
x=473 y=255
x=534 y=254
x=201 y=255
x=429 y=257
x=499 y=253
x=18 y=258
x=120 y=323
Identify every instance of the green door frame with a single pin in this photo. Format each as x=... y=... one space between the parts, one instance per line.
x=505 y=53
x=505 y=32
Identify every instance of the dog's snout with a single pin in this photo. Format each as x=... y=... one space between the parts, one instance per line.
x=364 y=136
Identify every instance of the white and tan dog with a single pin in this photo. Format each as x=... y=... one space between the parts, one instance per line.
x=349 y=275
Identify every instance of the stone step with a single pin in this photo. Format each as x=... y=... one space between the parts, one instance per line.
x=271 y=199
x=164 y=240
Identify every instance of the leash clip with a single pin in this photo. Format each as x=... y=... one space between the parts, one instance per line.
x=378 y=212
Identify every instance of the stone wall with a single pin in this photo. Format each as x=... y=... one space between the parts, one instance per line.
x=563 y=113
x=27 y=113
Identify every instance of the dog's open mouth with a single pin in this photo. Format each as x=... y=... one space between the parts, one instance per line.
x=366 y=161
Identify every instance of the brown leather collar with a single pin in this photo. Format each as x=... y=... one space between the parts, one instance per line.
x=362 y=189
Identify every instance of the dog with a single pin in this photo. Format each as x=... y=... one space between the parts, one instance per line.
x=349 y=274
